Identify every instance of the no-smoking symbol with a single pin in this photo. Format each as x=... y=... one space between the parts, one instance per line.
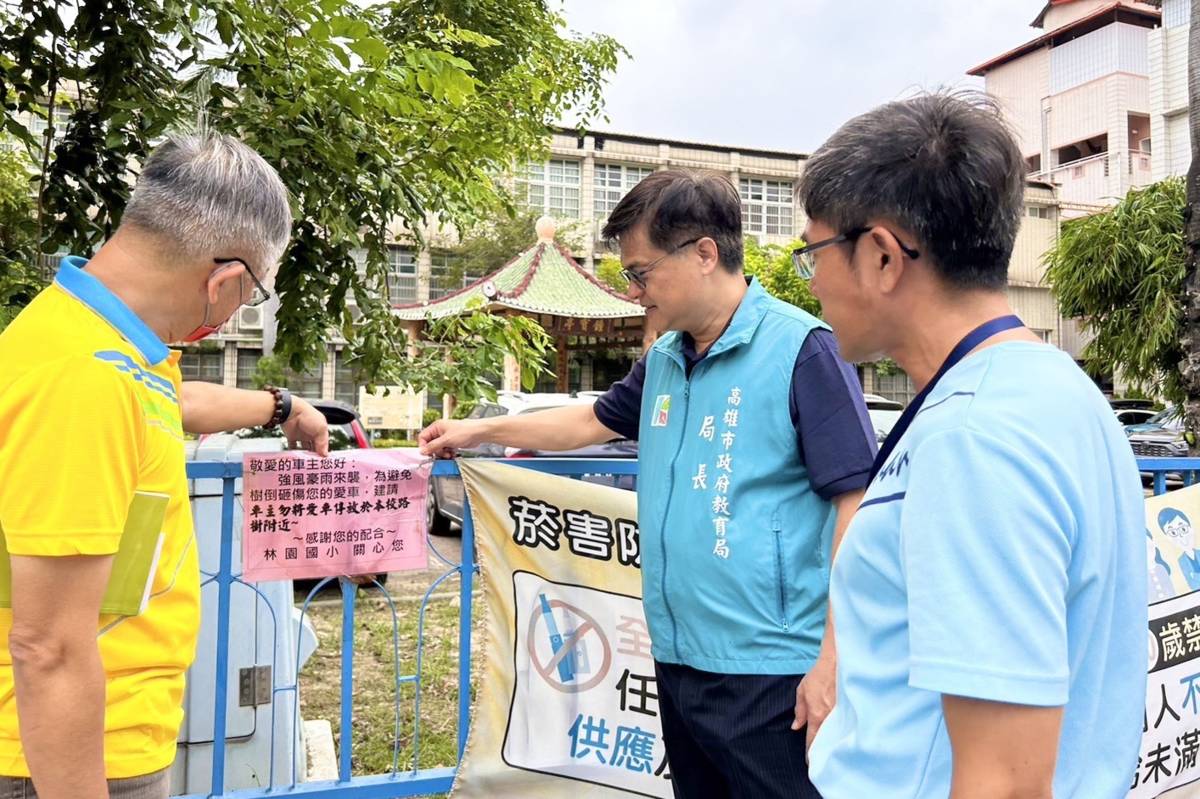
x=560 y=670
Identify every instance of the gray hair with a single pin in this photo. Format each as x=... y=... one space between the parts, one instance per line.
x=943 y=166
x=211 y=196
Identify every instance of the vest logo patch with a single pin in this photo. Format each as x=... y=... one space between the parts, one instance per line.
x=662 y=409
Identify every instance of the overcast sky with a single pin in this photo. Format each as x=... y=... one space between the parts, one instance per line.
x=784 y=74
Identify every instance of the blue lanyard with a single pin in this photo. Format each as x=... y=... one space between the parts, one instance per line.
x=969 y=342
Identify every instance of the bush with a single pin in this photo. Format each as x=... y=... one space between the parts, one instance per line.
x=392 y=443
x=430 y=416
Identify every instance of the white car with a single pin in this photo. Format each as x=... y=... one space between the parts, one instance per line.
x=884 y=414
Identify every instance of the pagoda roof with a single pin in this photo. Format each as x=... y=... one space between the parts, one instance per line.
x=544 y=279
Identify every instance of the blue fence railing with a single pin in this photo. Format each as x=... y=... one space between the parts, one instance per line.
x=1168 y=472
x=411 y=781
x=400 y=781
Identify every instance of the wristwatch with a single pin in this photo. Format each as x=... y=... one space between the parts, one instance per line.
x=283 y=406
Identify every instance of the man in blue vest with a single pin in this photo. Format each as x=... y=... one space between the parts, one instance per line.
x=754 y=448
x=990 y=599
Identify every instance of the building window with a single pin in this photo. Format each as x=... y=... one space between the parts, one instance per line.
x=896 y=386
x=1175 y=13
x=39 y=122
x=247 y=362
x=345 y=379
x=551 y=187
x=767 y=206
x=201 y=365
x=305 y=384
x=1044 y=335
x=1038 y=212
x=446 y=275
x=402 y=275
x=613 y=181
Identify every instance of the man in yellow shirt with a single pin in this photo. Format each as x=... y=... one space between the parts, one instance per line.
x=92 y=410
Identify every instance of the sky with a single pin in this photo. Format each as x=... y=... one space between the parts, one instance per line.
x=784 y=74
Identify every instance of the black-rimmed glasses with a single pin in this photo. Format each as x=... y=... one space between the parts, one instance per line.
x=260 y=294
x=638 y=278
x=806 y=263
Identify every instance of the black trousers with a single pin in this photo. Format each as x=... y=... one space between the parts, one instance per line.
x=729 y=736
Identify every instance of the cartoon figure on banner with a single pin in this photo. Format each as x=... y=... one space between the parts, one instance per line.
x=1178 y=527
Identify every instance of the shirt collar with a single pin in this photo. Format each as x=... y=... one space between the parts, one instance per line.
x=109 y=307
x=739 y=331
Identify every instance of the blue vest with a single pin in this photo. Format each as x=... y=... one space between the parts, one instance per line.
x=734 y=541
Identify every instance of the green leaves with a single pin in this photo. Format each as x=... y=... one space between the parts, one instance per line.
x=1122 y=273
x=379 y=117
x=772 y=265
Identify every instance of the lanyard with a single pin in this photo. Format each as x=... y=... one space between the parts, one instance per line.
x=969 y=342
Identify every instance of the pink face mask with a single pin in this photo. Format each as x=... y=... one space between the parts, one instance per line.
x=203 y=331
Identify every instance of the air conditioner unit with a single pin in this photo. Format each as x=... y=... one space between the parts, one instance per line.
x=250 y=318
x=1144 y=145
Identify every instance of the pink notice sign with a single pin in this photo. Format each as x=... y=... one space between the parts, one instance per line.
x=356 y=512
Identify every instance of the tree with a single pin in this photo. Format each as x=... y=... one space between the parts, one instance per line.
x=1122 y=273
x=490 y=244
x=461 y=355
x=377 y=116
x=1190 y=337
x=20 y=277
x=772 y=265
x=608 y=272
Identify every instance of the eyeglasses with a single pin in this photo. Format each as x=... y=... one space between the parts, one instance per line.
x=806 y=263
x=639 y=278
x=260 y=294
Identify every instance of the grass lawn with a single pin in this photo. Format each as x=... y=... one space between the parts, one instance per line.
x=375 y=732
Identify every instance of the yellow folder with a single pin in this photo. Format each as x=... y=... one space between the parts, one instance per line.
x=133 y=566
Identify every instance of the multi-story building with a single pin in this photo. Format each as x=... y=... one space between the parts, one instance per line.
x=581 y=181
x=1078 y=97
x=585 y=177
x=1168 y=58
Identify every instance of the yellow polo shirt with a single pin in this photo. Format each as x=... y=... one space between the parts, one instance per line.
x=89 y=414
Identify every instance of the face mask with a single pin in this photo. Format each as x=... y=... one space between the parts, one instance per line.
x=201 y=332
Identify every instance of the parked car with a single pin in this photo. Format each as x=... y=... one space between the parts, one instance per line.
x=884 y=414
x=1133 y=411
x=1159 y=437
x=446 y=495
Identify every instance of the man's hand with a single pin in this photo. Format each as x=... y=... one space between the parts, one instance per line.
x=306 y=428
x=816 y=695
x=445 y=437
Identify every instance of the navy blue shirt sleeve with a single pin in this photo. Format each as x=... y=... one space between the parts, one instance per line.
x=620 y=408
x=834 y=433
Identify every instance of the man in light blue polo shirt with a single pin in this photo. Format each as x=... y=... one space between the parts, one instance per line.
x=989 y=599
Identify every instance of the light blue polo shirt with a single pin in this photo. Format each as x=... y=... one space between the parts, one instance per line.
x=998 y=555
